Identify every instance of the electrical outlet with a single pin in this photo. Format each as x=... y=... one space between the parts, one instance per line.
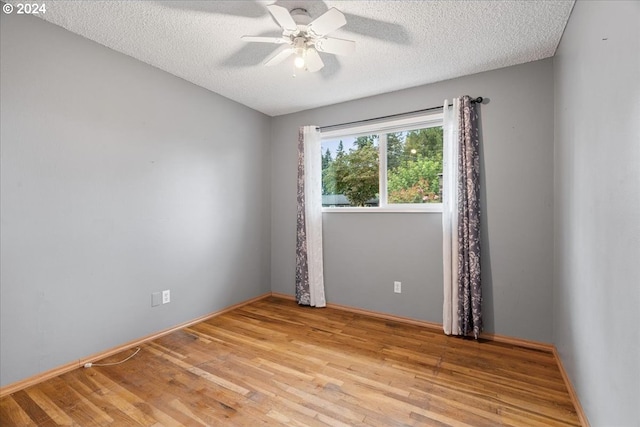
x=166 y=296
x=397 y=287
x=156 y=299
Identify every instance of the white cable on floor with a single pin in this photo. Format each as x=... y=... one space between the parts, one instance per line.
x=89 y=365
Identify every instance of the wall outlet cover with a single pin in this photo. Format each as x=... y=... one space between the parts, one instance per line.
x=397 y=287
x=166 y=296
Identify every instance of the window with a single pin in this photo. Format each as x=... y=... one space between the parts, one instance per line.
x=390 y=166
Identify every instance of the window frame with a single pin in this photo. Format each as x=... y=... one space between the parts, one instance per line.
x=382 y=128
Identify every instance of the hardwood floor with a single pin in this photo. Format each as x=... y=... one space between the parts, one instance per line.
x=273 y=362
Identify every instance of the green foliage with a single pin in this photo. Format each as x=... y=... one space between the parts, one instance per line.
x=326 y=162
x=354 y=174
x=424 y=143
x=334 y=172
x=414 y=162
x=418 y=193
x=365 y=141
x=395 y=149
x=415 y=181
x=326 y=159
x=361 y=180
x=333 y=176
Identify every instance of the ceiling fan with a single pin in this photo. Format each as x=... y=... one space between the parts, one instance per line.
x=305 y=38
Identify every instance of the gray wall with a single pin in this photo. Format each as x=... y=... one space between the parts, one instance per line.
x=597 y=208
x=365 y=253
x=118 y=180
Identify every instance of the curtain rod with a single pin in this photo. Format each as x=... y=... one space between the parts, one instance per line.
x=477 y=100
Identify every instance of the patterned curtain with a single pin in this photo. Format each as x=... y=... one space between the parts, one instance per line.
x=309 y=265
x=462 y=310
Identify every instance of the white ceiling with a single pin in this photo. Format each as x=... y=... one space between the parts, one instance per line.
x=399 y=44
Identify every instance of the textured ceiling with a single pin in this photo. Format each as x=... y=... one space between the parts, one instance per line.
x=399 y=44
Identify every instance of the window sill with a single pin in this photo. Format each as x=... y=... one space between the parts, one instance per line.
x=388 y=209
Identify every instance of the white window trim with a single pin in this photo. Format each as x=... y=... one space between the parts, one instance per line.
x=381 y=129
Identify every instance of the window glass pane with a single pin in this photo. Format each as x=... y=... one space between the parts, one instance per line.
x=350 y=171
x=414 y=166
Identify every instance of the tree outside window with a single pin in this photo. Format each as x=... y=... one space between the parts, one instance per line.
x=351 y=175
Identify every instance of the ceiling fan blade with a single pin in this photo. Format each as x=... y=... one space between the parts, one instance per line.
x=329 y=21
x=313 y=60
x=280 y=56
x=336 y=46
x=276 y=40
x=283 y=17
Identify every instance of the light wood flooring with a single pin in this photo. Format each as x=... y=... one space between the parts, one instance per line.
x=273 y=362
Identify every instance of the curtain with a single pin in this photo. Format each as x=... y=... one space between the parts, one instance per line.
x=462 y=309
x=309 y=266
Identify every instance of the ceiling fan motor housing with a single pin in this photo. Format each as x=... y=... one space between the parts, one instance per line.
x=300 y=39
x=301 y=17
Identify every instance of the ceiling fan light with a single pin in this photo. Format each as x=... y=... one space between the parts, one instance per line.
x=305 y=38
x=299 y=62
